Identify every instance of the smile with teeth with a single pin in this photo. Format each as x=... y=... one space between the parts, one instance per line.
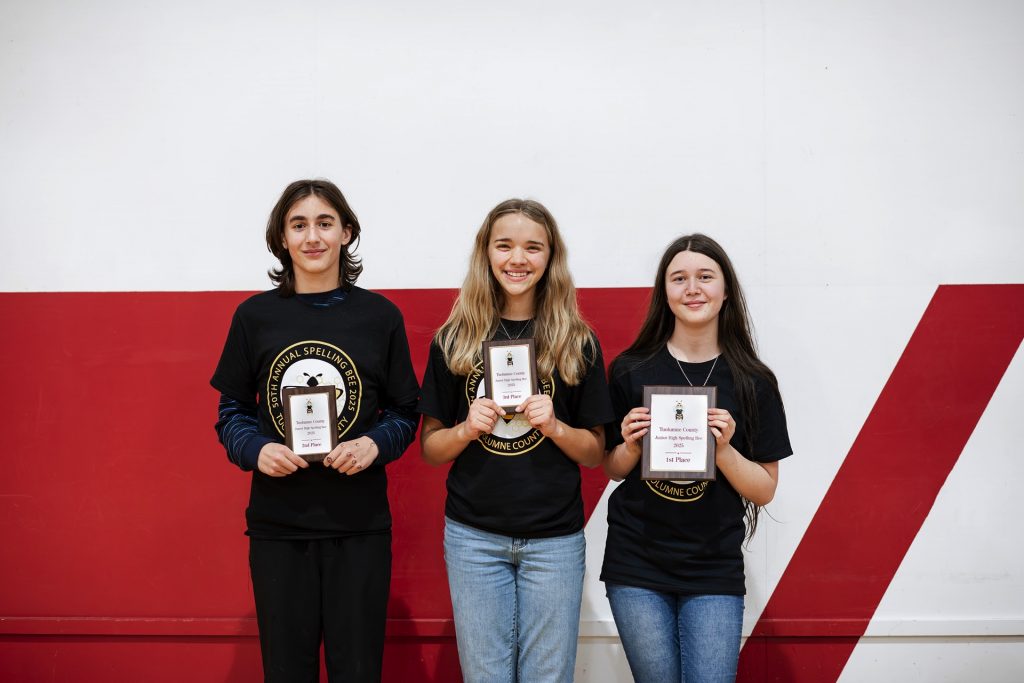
x=516 y=274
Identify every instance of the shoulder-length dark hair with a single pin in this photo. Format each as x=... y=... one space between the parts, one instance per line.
x=735 y=338
x=350 y=267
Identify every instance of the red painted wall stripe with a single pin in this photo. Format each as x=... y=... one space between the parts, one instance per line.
x=123 y=541
x=121 y=520
x=887 y=485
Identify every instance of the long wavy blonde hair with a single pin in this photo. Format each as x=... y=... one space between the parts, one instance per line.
x=563 y=339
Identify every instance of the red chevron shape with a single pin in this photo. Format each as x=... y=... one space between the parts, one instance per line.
x=887 y=485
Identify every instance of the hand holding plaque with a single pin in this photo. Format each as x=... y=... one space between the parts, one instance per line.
x=679 y=444
x=510 y=372
x=311 y=421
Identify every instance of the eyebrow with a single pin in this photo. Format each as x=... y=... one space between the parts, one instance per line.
x=321 y=216
x=699 y=270
x=509 y=239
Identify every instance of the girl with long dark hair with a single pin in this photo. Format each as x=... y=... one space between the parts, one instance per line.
x=673 y=565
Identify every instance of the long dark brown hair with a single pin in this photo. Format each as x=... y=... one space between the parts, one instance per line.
x=735 y=339
x=350 y=266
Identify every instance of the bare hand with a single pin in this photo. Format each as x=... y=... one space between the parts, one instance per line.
x=277 y=460
x=540 y=413
x=352 y=457
x=483 y=415
x=722 y=425
x=635 y=424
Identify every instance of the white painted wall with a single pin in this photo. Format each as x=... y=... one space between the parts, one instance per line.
x=851 y=155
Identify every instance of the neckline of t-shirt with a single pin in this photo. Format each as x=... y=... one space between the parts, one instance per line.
x=519 y=329
x=324 y=300
x=686 y=362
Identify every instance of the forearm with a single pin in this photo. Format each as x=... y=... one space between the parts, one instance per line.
x=440 y=444
x=582 y=446
x=754 y=481
x=620 y=461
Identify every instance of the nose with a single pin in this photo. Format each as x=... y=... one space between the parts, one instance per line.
x=313 y=235
x=691 y=285
x=518 y=255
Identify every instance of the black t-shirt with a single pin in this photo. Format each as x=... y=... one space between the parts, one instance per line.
x=515 y=481
x=684 y=537
x=360 y=347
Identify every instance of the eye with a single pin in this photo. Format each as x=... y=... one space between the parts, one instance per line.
x=298 y=226
x=325 y=225
x=705 y=277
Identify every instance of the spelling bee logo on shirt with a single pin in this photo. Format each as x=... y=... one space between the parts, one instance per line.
x=678 y=491
x=315 y=364
x=512 y=435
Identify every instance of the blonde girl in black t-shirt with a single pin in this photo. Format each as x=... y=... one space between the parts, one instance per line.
x=514 y=546
x=673 y=563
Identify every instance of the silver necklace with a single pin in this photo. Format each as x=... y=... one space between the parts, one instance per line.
x=680 y=366
x=521 y=330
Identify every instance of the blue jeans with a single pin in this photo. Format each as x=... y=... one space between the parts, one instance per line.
x=516 y=603
x=669 y=637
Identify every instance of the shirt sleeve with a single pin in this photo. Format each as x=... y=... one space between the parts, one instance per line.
x=397 y=422
x=772 y=441
x=439 y=396
x=619 y=391
x=238 y=430
x=593 y=406
x=393 y=433
x=234 y=375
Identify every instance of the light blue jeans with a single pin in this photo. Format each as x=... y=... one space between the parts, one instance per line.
x=516 y=603
x=686 y=638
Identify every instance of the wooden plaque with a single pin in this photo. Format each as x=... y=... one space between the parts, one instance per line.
x=679 y=444
x=510 y=371
x=310 y=421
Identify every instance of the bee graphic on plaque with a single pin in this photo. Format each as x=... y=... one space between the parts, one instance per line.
x=309 y=407
x=679 y=411
x=508 y=359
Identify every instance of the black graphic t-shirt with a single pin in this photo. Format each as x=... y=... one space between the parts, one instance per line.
x=359 y=347
x=684 y=536
x=515 y=481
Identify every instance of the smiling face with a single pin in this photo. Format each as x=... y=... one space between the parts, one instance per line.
x=314 y=236
x=695 y=289
x=518 y=251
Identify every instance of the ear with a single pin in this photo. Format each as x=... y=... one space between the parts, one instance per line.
x=346 y=235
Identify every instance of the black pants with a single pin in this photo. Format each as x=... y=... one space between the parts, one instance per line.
x=335 y=589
